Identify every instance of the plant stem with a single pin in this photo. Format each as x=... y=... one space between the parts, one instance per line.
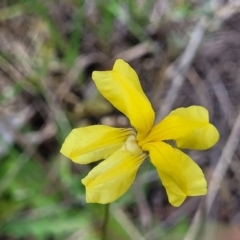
x=105 y=221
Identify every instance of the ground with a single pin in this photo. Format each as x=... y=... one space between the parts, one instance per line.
x=185 y=53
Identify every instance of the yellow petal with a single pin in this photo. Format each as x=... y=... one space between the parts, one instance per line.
x=122 y=88
x=111 y=178
x=93 y=143
x=189 y=127
x=179 y=174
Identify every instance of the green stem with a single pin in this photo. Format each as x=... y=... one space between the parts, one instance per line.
x=105 y=221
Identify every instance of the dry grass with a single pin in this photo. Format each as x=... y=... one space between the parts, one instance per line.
x=185 y=53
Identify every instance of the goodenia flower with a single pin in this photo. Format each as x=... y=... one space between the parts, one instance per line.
x=123 y=150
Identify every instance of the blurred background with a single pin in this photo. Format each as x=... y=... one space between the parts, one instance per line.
x=185 y=52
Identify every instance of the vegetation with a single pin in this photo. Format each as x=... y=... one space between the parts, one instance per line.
x=185 y=53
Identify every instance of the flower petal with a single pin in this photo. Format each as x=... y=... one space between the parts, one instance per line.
x=93 y=143
x=189 y=127
x=111 y=178
x=122 y=88
x=179 y=174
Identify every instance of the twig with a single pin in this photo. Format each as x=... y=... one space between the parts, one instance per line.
x=222 y=95
x=200 y=86
x=137 y=51
x=223 y=163
x=177 y=73
x=195 y=225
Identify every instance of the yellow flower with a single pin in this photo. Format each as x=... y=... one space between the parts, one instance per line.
x=124 y=149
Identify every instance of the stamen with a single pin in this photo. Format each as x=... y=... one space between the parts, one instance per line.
x=132 y=146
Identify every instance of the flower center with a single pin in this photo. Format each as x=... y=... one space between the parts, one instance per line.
x=132 y=146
